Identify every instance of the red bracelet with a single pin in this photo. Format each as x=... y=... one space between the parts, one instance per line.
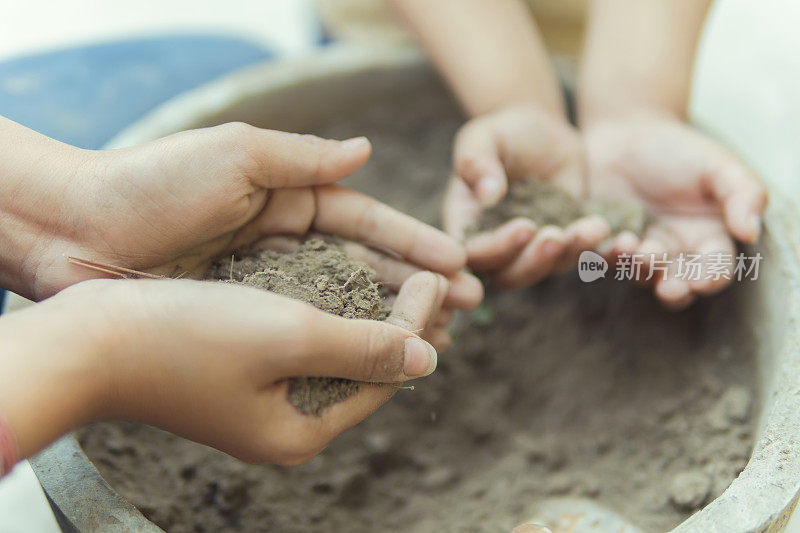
x=8 y=448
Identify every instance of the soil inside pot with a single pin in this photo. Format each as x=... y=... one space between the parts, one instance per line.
x=322 y=274
x=561 y=389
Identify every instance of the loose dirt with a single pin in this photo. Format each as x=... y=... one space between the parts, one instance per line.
x=562 y=389
x=322 y=274
x=546 y=204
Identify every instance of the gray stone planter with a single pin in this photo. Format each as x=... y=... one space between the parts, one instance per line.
x=291 y=96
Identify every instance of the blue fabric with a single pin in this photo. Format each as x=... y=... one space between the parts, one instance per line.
x=84 y=96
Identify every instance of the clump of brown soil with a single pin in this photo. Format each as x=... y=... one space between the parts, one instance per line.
x=621 y=216
x=322 y=274
x=546 y=204
x=535 y=199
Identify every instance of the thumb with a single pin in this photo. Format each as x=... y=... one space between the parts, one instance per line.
x=739 y=193
x=279 y=159
x=476 y=160
x=460 y=208
x=363 y=350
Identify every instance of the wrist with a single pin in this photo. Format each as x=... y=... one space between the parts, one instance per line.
x=548 y=100
x=628 y=113
x=52 y=376
x=639 y=56
x=529 y=108
x=43 y=201
x=624 y=87
x=621 y=91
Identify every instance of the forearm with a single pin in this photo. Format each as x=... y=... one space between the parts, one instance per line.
x=50 y=382
x=38 y=176
x=639 y=55
x=490 y=53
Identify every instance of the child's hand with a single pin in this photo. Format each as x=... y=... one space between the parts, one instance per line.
x=514 y=143
x=206 y=360
x=171 y=206
x=700 y=197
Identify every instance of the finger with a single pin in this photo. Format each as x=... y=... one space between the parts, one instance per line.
x=498 y=247
x=476 y=160
x=537 y=260
x=744 y=210
x=717 y=265
x=358 y=217
x=361 y=350
x=287 y=211
x=583 y=234
x=419 y=301
x=674 y=292
x=444 y=318
x=741 y=194
x=391 y=272
x=461 y=208
x=279 y=243
x=466 y=291
x=652 y=251
x=279 y=159
x=625 y=242
x=532 y=141
x=439 y=338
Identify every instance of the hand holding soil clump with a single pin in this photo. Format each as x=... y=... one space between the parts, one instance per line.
x=514 y=170
x=323 y=275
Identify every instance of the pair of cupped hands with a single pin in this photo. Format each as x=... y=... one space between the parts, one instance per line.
x=700 y=199
x=210 y=362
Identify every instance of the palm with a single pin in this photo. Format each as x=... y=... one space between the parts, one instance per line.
x=686 y=183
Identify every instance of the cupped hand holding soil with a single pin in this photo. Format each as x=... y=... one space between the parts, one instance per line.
x=700 y=196
x=545 y=204
x=173 y=206
x=207 y=361
x=226 y=188
x=216 y=362
x=492 y=153
x=320 y=273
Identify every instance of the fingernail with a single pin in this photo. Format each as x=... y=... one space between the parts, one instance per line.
x=523 y=235
x=551 y=248
x=420 y=358
x=356 y=143
x=754 y=221
x=489 y=191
